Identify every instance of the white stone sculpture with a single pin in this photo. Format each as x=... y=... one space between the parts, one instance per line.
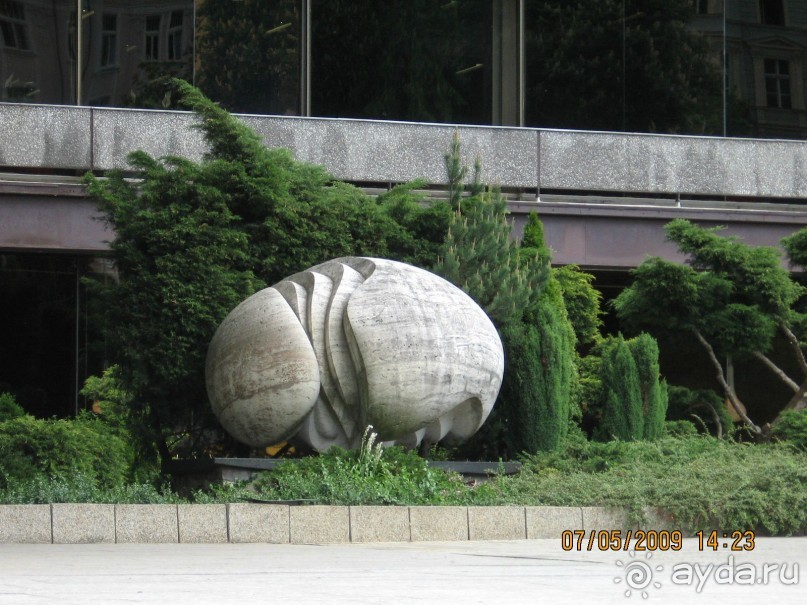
x=349 y=343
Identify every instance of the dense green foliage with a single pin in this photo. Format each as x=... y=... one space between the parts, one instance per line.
x=342 y=477
x=622 y=393
x=479 y=256
x=731 y=300
x=582 y=302
x=31 y=448
x=514 y=283
x=81 y=487
x=183 y=265
x=9 y=408
x=652 y=389
x=478 y=253
x=535 y=395
x=113 y=406
x=622 y=416
x=703 y=406
x=703 y=482
x=792 y=428
x=553 y=376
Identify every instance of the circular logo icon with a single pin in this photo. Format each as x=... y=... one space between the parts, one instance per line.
x=638 y=575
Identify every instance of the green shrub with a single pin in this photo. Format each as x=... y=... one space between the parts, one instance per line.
x=539 y=375
x=792 y=428
x=116 y=411
x=60 y=448
x=622 y=416
x=680 y=428
x=703 y=405
x=653 y=391
x=370 y=475
x=582 y=302
x=81 y=487
x=702 y=481
x=9 y=408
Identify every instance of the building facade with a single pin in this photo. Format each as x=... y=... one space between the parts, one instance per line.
x=497 y=62
x=377 y=105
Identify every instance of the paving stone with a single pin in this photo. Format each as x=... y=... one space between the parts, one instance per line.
x=496 y=523
x=438 y=523
x=25 y=524
x=83 y=523
x=266 y=523
x=606 y=518
x=319 y=524
x=146 y=523
x=379 y=524
x=658 y=519
x=202 y=523
x=552 y=521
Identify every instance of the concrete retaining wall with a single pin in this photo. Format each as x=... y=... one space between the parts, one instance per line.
x=283 y=524
x=96 y=138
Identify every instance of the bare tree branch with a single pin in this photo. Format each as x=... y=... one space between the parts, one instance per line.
x=798 y=401
x=778 y=371
x=715 y=417
x=794 y=344
x=734 y=401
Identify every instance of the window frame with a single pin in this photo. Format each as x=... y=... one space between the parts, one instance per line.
x=108 y=55
x=14 y=26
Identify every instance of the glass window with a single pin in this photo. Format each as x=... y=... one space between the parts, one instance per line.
x=632 y=65
x=175 y=36
x=772 y=12
x=152 y=43
x=248 y=54
x=109 y=40
x=422 y=61
x=708 y=7
x=12 y=25
x=777 y=83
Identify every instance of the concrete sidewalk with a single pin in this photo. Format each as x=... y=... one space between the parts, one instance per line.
x=535 y=571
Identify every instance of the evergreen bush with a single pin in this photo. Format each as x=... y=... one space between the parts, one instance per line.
x=704 y=406
x=31 y=447
x=622 y=415
x=653 y=391
x=792 y=428
x=9 y=408
x=539 y=375
x=582 y=301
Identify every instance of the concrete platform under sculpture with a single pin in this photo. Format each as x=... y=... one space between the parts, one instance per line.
x=355 y=342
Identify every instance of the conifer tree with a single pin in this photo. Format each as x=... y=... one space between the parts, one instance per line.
x=653 y=391
x=479 y=254
x=553 y=372
x=622 y=416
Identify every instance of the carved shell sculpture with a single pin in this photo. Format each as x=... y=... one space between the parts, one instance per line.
x=355 y=342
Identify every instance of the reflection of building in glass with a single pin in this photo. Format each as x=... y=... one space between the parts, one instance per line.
x=39 y=51
x=765 y=44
